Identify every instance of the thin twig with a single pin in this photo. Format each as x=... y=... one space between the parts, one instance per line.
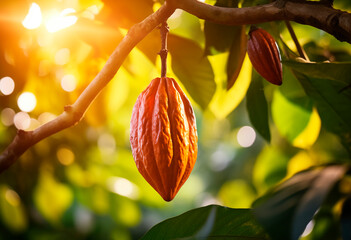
x=164 y=29
x=300 y=50
x=333 y=21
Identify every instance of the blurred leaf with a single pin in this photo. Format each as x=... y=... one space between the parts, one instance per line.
x=51 y=198
x=210 y=222
x=236 y=56
x=236 y=194
x=346 y=219
x=299 y=162
x=287 y=210
x=193 y=69
x=309 y=135
x=333 y=101
x=224 y=102
x=12 y=211
x=184 y=24
x=339 y=72
x=104 y=39
x=270 y=168
x=291 y=116
x=257 y=107
x=219 y=37
x=125 y=13
x=124 y=211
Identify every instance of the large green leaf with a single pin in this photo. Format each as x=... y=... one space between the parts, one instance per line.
x=332 y=98
x=340 y=72
x=192 y=68
x=287 y=210
x=257 y=107
x=210 y=222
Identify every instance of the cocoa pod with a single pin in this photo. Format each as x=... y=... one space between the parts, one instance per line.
x=163 y=136
x=264 y=55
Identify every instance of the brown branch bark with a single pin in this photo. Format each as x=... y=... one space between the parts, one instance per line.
x=316 y=14
x=335 y=22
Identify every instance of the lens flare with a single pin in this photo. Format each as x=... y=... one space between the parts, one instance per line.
x=34 y=18
x=61 y=20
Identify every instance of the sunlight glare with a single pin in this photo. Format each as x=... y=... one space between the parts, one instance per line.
x=33 y=18
x=27 y=101
x=68 y=83
x=62 y=56
x=7 y=116
x=246 y=136
x=59 y=21
x=22 y=120
x=7 y=85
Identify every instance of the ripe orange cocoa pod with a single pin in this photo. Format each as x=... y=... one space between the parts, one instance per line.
x=163 y=136
x=264 y=55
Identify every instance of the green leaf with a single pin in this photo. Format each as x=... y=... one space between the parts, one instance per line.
x=193 y=69
x=270 y=168
x=286 y=211
x=219 y=38
x=210 y=222
x=236 y=55
x=340 y=72
x=332 y=99
x=257 y=107
x=291 y=116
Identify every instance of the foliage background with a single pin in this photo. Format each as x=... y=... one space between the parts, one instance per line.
x=82 y=183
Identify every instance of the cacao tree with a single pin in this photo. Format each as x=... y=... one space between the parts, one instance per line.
x=89 y=97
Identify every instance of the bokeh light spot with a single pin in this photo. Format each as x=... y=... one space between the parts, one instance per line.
x=7 y=85
x=27 y=101
x=12 y=198
x=246 y=136
x=62 y=56
x=68 y=83
x=60 y=20
x=65 y=156
x=46 y=117
x=22 y=120
x=123 y=187
x=33 y=18
x=7 y=116
x=107 y=143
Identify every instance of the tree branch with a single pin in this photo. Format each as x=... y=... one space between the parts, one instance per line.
x=335 y=22
x=74 y=113
x=316 y=14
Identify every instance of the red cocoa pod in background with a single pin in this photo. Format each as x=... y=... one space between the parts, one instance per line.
x=163 y=136
x=264 y=55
